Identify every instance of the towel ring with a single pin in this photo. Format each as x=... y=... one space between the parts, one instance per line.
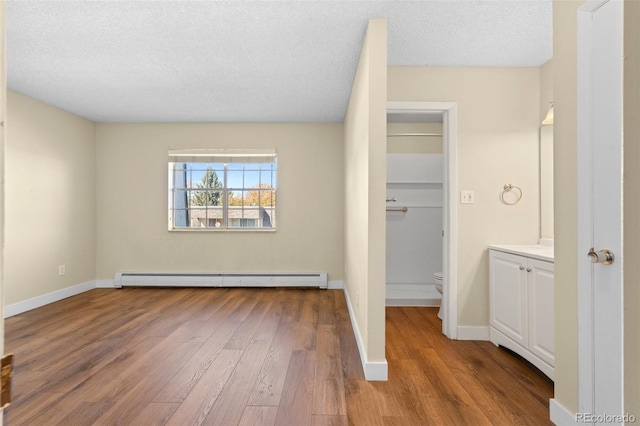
x=511 y=188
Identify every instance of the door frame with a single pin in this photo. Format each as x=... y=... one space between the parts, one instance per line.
x=587 y=340
x=449 y=112
x=3 y=118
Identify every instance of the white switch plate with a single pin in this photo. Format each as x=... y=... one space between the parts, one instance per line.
x=467 y=197
x=61 y=270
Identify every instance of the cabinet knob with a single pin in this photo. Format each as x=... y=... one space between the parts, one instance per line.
x=522 y=268
x=528 y=269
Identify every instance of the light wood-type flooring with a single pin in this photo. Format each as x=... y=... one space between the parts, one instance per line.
x=160 y=356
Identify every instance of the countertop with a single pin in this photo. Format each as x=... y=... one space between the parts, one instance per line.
x=534 y=251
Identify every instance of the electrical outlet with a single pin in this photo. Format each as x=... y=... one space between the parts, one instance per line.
x=61 y=270
x=467 y=197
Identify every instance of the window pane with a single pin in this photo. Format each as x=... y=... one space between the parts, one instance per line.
x=235 y=198
x=259 y=197
x=235 y=166
x=194 y=177
x=235 y=215
x=180 y=218
x=243 y=223
x=218 y=167
x=180 y=199
x=268 y=217
x=267 y=166
x=215 y=217
x=198 y=218
x=266 y=179
x=215 y=223
x=206 y=198
x=207 y=179
x=251 y=179
x=179 y=179
x=267 y=198
x=252 y=217
x=250 y=198
x=235 y=179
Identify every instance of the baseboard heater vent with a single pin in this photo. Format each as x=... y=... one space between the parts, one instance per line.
x=130 y=279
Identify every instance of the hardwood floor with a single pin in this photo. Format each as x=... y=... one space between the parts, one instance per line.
x=252 y=357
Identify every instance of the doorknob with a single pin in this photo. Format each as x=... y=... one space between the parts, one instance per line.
x=603 y=256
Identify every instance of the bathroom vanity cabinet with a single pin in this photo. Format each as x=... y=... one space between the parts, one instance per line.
x=521 y=303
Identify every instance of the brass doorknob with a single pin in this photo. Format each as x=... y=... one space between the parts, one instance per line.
x=603 y=256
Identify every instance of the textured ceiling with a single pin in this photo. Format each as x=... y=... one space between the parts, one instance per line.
x=242 y=61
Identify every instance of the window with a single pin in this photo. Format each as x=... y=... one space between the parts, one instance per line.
x=216 y=190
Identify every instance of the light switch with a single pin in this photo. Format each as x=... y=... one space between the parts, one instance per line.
x=467 y=197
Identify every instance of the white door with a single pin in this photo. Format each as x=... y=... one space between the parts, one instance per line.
x=600 y=304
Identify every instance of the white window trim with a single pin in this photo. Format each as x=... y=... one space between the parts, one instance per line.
x=224 y=156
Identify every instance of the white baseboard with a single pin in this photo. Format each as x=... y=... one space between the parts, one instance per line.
x=335 y=285
x=559 y=415
x=45 y=299
x=466 y=332
x=433 y=303
x=412 y=294
x=105 y=284
x=415 y=290
x=374 y=371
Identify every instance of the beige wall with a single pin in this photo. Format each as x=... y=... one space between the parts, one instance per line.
x=50 y=199
x=498 y=128
x=565 y=203
x=132 y=201
x=546 y=152
x=632 y=206
x=365 y=189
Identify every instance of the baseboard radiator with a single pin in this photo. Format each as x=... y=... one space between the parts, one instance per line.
x=138 y=279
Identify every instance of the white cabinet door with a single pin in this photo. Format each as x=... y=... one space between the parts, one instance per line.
x=508 y=293
x=541 y=334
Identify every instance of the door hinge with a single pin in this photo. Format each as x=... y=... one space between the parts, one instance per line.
x=6 y=372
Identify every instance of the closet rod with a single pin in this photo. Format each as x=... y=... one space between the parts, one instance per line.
x=413 y=134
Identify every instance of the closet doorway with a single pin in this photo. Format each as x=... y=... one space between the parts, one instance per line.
x=428 y=188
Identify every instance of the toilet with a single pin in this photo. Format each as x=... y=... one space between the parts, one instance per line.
x=438 y=278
